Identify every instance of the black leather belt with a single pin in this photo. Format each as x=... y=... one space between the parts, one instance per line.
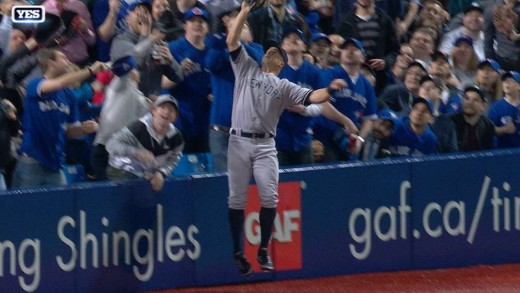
x=219 y=128
x=251 y=134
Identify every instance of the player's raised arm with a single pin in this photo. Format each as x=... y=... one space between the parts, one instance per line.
x=233 y=37
x=323 y=95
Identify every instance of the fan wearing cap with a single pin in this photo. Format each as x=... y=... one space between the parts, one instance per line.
x=149 y=148
x=475 y=131
x=320 y=47
x=357 y=102
x=464 y=60
x=123 y=104
x=194 y=92
x=51 y=114
x=383 y=127
x=505 y=112
x=472 y=26
x=222 y=84
x=412 y=136
x=259 y=99
x=294 y=131
x=488 y=79
x=431 y=88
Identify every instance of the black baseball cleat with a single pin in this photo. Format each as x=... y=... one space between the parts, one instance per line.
x=244 y=267
x=265 y=262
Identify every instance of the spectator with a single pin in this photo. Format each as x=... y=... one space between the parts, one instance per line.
x=412 y=136
x=123 y=104
x=472 y=26
x=498 y=43
x=440 y=67
x=432 y=15
x=149 y=148
x=504 y=112
x=399 y=97
x=51 y=113
x=335 y=49
x=432 y=89
x=193 y=93
x=376 y=31
x=464 y=60
x=9 y=126
x=475 y=131
x=383 y=126
x=107 y=19
x=397 y=73
x=268 y=23
x=320 y=47
x=423 y=44
x=488 y=79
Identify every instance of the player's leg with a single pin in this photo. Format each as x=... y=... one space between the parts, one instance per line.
x=239 y=175
x=265 y=171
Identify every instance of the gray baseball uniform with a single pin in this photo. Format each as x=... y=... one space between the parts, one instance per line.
x=259 y=100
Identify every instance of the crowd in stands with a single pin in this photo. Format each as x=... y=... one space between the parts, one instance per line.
x=99 y=82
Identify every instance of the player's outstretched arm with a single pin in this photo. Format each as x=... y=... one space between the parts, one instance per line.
x=233 y=38
x=323 y=95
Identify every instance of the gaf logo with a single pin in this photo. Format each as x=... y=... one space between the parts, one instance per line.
x=28 y=14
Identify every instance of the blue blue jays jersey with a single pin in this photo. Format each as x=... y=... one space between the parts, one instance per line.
x=45 y=121
x=223 y=78
x=403 y=142
x=501 y=113
x=357 y=101
x=294 y=131
x=192 y=93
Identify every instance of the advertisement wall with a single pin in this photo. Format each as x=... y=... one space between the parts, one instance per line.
x=449 y=211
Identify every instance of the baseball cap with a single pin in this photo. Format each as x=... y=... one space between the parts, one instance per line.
x=440 y=55
x=473 y=6
x=436 y=81
x=124 y=65
x=492 y=63
x=292 y=30
x=145 y=3
x=166 y=99
x=196 y=11
x=464 y=38
x=418 y=64
x=419 y=100
x=319 y=36
x=354 y=42
x=272 y=43
x=515 y=75
x=476 y=89
x=387 y=115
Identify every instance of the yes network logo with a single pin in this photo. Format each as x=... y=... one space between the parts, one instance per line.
x=286 y=243
x=28 y=14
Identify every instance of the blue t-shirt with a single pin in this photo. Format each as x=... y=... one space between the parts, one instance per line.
x=404 y=142
x=501 y=113
x=45 y=121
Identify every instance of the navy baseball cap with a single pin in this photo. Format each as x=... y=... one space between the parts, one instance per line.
x=145 y=3
x=319 y=36
x=418 y=64
x=292 y=30
x=272 y=43
x=513 y=74
x=476 y=89
x=436 y=81
x=354 y=42
x=463 y=38
x=492 y=63
x=473 y=6
x=124 y=65
x=387 y=115
x=196 y=11
x=419 y=100
x=439 y=55
x=166 y=99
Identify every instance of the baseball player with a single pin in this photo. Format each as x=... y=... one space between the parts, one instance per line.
x=260 y=97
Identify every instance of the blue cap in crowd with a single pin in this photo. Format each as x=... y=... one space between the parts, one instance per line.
x=424 y=101
x=319 y=36
x=463 y=38
x=387 y=115
x=196 y=11
x=473 y=6
x=513 y=74
x=292 y=30
x=136 y=3
x=492 y=63
x=124 y=65
x=272 y=43
x=354 y=42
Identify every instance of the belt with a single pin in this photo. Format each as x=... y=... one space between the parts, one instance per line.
x=219 y=128
x=251 y=134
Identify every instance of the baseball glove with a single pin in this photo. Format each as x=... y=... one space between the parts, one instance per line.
x=256 y=4
x=51 y=28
